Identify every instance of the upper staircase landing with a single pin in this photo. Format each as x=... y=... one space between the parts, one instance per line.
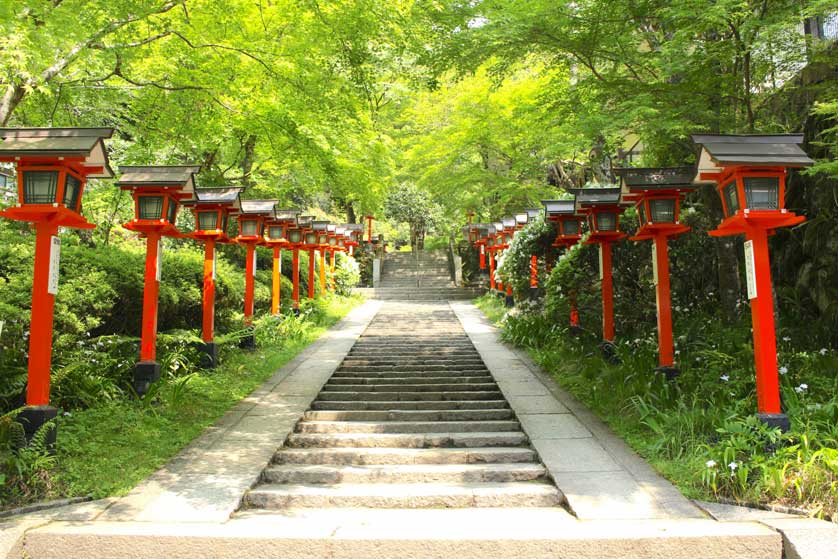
x=418 y=276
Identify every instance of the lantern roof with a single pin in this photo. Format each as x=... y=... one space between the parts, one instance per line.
x=258 y=207
x=522 y=218
x=222 y=196
x=320 y=225
x=84 y=143
x=753 y=150
x=559 y=207
x=599 y=196
x=180 y=178
x=532 y=213
x=286 y=215
x=657 y=178
x=331 y=227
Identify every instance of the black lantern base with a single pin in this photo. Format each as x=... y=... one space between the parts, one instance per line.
x=670 y=373
x=510 y=301
x=575 y=331
x=609 y=352
x=248 y=342
x=775 y=420
x=33 y=418
x=146 y=373
x=209 y=355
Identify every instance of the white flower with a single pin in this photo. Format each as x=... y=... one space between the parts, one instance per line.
x=784 y=370
x=725 y=378
x=786 y=339
x=733 y=466
x=67 y=414
x=823 y=351
x=802 y=388
x=710 y=464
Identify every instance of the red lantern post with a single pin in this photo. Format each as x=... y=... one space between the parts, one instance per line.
x=369 y=219
x=658 y=194
x=254 y=214
x=53 y=166
x=276 y=236
x=750 y=175
x=602 y=207
x=212 y=208
x=157 y=192
x=568 y=226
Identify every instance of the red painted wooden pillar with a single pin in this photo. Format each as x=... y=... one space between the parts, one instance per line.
x=332 y=270
x=491 y=270
x=607 y=291
x=666 y=356
x=762 y=319
x=295 y=272
x=534 y=271
x=41 y=322
x=276 y=280
x=148 y=340
x=249 y=283
x=322 y=270
x=311 y=277
x=208 y=323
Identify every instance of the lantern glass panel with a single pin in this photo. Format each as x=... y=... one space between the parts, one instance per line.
x=172 y=210
x=731 y=195
x=641 y=213
x=207 y=221
x=275 y=232
x=39 y=187
x=606 y=222
x=662 y=211
x=762 y=193
x=570 y=227
x=72 y=189
x=224 y=222
x=311 y=238
x=150 y=207
x=490 y=242
x=294 y=236
x=333 y=241
x=341 y=243
x=249 y=227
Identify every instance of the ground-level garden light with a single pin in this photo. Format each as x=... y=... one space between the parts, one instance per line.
x=569 y=225
x=750 y=175
x=657 y=195
x=157 y=192
x=212 y=208
x=603 y=208
x=53 y=166
x=276 y=237
x=254 y=214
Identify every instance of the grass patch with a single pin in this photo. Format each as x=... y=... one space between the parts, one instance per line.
x=107 y=450
x=700 y=432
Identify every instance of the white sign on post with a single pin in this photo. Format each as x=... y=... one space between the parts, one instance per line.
x=655 y=263
x=214 y=264
x=279 y=263
x=159 y=271
x=54 y=259
x=750 y=270
x=601 y=272
x=254 y=262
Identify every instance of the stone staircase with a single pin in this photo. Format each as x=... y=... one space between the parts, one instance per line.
x=418 y=276
x=411 y=419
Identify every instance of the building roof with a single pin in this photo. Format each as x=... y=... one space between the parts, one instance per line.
x=657 y=178
x=757 y=150
x=559 y=207
x=59 y=142
x=149 y=176
x=258 y=206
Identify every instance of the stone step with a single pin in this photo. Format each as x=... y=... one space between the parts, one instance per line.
x=405 y=496
x=390 y=361
x=405 y=406
x=367 y=353
x=408 y=473
x=450 y=387
x=411 y=415
x=349 y=395
x=371 y=456
x=325 y=427
x=414 y=375
x=450 y=379
x=417 y=367
x=405 y=440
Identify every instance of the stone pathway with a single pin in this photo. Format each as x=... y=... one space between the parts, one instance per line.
x=411 y=419
x=414 y=434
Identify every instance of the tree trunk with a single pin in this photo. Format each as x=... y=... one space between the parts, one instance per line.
x=9 y=102
x=727 y=262
x=350 y=213
x=247 y=159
